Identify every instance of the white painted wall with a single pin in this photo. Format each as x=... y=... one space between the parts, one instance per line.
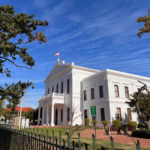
x=122 y=80
x=94 y=82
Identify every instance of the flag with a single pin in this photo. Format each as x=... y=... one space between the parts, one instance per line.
x=57 y=54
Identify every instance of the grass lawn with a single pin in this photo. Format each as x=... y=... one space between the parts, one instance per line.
x=99 y=143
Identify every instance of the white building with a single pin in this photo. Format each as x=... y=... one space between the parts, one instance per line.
x=71 y=90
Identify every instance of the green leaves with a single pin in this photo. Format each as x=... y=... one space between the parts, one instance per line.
x=12 y=93
x=140 y=103
x=16 y=30
x=146 y=21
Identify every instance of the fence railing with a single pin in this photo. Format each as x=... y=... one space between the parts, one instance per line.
x=11 y=139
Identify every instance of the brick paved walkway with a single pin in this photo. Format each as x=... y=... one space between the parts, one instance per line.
x=123 y=139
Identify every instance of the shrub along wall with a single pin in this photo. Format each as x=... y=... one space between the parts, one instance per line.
x=141 y=133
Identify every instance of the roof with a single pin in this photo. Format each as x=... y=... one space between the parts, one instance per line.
x=129 y=75
x=24 y=109
x=64 y=65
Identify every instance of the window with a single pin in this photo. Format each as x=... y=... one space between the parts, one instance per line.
x=85 y=95
x=57 y=88
x=126 y=92
x=68 y=86
x=61 y=115
x=52 y=89
x=48 y=91
x=85 y=114
x=102 y=114
x=62 y=87
x=116 y=90
x=129 y=114
x=118 y=115
x=92 y=93
x=100 y=91
x=68 y=114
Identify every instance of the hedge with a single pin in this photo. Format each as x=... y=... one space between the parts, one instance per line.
x=141 y=133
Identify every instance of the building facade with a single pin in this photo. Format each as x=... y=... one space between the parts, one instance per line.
x=71 y=91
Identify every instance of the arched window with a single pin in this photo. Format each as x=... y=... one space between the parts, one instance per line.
x=57 y=88
x=68 y=85
x=62 y=87
x=68 y=114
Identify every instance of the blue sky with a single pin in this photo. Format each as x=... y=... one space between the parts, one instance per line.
x=99 y=34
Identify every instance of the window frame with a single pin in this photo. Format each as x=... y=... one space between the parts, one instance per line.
x=118 y=114
x=57 y=88
x=126 y=91
x=116 y=88
x=102 y=114
x=101 y=91
x=68 y=114
x=85 y=113
x=85 y=95
x=62 y=87
x=68 y=86
x=92 y=93
x=129 y=112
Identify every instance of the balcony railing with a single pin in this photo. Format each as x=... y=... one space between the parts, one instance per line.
x=57 y=97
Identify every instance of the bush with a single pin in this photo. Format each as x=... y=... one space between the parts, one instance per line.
x=141 y=126
x=105 y=123
x=132 y=123
x=87 y=121
x=141 y=133
x=116 y=123
x=94 y=122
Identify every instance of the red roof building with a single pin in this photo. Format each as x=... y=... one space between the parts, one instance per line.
x=24 y=109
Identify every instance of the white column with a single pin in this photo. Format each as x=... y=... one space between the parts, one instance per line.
x=39 y=115
x=47 y=116
x=43 y=115
x=52 y=114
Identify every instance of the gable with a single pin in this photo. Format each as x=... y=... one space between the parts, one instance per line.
x=57 y=68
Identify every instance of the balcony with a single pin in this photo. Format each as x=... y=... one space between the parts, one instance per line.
x=57 y=98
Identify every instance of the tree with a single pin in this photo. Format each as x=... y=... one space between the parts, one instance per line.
x=70 y=130
x=31 y=115
x=16 y=30
x=146 y=21
x=13 y=93
x=140 y=103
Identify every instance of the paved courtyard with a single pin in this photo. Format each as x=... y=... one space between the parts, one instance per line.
x=123 y=139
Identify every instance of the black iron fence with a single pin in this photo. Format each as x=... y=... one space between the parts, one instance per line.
x=11 y=139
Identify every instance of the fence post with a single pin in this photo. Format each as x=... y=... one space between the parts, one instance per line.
x=53 y=138
x=79 y=141
x=73 y=145
x=112 y=143
x=56 y=143
x=47 y=138
x=68 y=140
x=93 y=138
x=50 y=142
x=60 y=139
x=138 y=145
x=64 y=144
x=86 y=146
